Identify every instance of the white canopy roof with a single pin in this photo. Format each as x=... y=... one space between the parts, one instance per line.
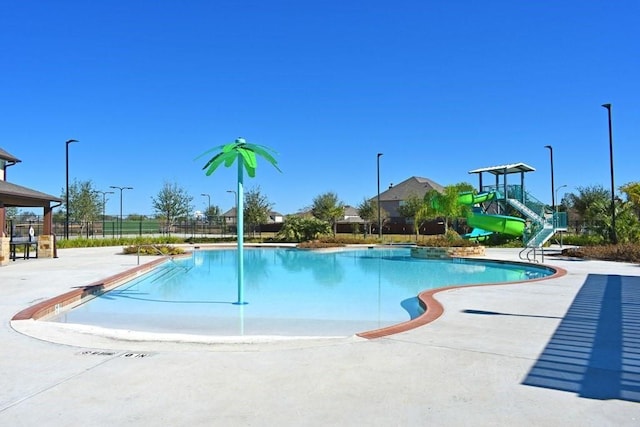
x=505 y=169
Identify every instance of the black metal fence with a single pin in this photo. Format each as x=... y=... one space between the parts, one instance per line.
x=112 y=228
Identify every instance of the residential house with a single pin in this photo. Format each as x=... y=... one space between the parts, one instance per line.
x=229 y=217
x=395 y=195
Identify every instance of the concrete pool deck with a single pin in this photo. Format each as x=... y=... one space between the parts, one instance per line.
x=563 y=351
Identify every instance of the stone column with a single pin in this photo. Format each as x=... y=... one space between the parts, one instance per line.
x=4 y=250
x=45 y=246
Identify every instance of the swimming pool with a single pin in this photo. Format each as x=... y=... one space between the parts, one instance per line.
x=290 y=292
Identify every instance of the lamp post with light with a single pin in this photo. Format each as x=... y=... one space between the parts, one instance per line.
x=208 y=205
x=120 y=188
x=553 y=200
x=556 y=215
x=614 y=236
x=104 y=203
x=66 y=223
x=558 y=189
x=379 y=218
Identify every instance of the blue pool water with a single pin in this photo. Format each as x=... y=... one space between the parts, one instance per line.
x=289 y=292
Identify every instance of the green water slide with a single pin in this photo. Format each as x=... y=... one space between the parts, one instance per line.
x=470 y=198
x=484 y=224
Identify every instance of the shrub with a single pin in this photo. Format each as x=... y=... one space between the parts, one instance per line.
x=444 y=241
x=452 y=235
x=348 y=240
x=582 y=239
x=152 y=250
x=193 y=240
x=299 y=229
x=116 y=241
x=628 y=252
x=317 y=244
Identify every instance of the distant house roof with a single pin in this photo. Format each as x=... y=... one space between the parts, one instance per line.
x=505 y=169
x=414 y=186
x=303 y=213
x=19 y=196
x=350 y=211
x=8 y=157
x=351 y=215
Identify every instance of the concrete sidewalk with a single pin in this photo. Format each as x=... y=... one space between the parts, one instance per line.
x=504 y=355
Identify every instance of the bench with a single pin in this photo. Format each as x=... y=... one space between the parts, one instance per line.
x=25 y=243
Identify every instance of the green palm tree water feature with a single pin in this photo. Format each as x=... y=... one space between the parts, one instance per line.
x=245 y=155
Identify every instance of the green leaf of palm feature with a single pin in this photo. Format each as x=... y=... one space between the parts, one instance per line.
x=228 y=154
x=250 y=162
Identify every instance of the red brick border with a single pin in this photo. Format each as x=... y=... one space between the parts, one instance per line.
x=433 y=308
x=77 y=296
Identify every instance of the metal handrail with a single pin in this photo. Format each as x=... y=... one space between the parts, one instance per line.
x=528 y=250
x=149 y=245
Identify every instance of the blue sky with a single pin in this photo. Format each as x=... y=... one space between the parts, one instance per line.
x=439 y=87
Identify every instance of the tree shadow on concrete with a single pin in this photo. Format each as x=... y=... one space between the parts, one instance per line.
x=595 y=352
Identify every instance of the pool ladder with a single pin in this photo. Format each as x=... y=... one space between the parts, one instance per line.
x=531 y=254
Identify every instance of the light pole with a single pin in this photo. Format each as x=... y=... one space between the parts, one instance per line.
x=556 y=215
x=104 y=203
x=379 y=220
x=209 y=201
x=614 y=236
x=558 y=189
x=235 y=196
x=66 y=222
x=553 y=200
x=208 y=207
x=120 y=188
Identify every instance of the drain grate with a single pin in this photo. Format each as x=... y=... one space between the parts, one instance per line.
x=96 y=353
x=130 y=355
x=135 y=355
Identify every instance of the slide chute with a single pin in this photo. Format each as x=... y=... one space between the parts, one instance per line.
x=485 y=224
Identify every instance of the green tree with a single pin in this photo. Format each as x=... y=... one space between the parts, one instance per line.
x=213 y=213
x=593 y=206
x=409 y=209
x=59 y=216
x=632 y=192
x=27 y=216
x=368 y=211
x=445 y=204
x=85 y=204
x=16 y=217
x=11 y=213
x=428 y=210
x=627 y=214
x=627 y=224
x=256 y=208
x=172 y=203
x=327 y=207
x=589 y=204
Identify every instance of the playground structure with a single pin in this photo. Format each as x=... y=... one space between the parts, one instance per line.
x=539 y=223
